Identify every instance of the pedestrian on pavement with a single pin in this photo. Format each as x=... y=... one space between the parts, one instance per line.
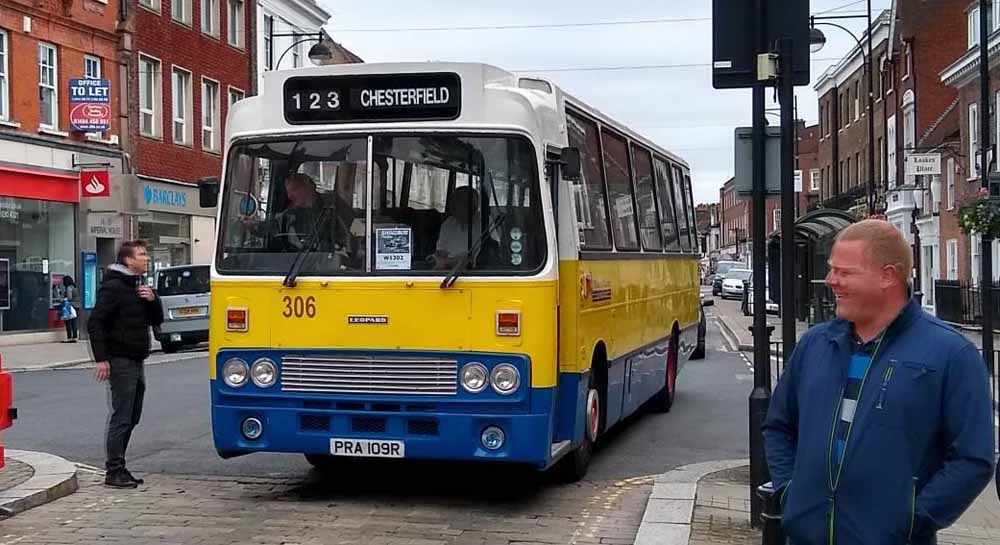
x=119 y=338
x=68 y=312
x=880 y=430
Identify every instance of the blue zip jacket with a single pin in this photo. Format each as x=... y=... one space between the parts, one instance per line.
x=921 y=447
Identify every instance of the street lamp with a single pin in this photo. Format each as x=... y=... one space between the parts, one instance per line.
x=817 y=40
x=318 y=53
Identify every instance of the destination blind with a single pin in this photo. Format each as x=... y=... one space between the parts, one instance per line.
x=372 y=98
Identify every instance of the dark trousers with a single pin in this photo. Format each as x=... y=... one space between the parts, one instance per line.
x=71 y=331
x=127 y=386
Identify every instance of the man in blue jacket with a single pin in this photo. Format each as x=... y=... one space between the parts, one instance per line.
x=880 y=431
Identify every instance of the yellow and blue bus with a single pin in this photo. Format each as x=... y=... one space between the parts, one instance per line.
x=443 y=261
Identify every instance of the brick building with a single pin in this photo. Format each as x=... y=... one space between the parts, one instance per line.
x=843 y=147
x=736 y=222
x=189 y=60
x=807 y=160
x=44 y=222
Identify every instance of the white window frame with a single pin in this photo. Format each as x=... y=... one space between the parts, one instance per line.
x=155 y=109
x=890 y=147
x=184 y=17
x=235 y=35
x=973 y=138
x=235 y=91
x=53 y=87
x=186 y=118
x=210 y=18
x=4 y=79
x=975 y=241
x=995 y=24
x=950 y=180
x=153 y=5
x=88 y=61
x=952 y=252
x=210 y=124
x=814 y=180
x=929 y=260
x=857 y=100
x=776 y=217
x=268 y=41
x=973 y=27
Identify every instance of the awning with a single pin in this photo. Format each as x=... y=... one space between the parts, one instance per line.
x=818 y=224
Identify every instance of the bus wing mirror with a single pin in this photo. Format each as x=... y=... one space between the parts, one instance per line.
x=208 y=192
x=569 y=160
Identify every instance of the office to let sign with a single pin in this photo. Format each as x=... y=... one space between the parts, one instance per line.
x=90 y=104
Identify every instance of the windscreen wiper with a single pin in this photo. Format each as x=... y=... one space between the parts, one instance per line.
x=307 y=248
x=463 y=263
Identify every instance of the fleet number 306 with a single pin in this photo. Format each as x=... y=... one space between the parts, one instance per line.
x=299 y=307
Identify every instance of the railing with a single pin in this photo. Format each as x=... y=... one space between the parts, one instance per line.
x=960 y=303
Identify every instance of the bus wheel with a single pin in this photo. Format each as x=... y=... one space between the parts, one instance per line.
x=664 y=400
x=574 y=466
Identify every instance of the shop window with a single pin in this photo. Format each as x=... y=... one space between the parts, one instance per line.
x=169 y=239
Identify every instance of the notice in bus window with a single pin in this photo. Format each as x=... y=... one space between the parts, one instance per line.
x=393 y=249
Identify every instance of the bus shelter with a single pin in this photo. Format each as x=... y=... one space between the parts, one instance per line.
x=815 y=233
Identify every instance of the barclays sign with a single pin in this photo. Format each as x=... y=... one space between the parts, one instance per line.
x=164 y=197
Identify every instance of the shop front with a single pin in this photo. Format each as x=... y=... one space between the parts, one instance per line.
x=170 y=220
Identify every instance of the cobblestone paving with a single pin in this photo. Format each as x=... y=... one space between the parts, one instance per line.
x=13 y=474
x=326 y=510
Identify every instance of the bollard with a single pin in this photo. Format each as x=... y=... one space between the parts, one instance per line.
x=772 y=533
x=7 y=412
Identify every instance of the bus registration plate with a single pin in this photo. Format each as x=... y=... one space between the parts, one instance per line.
x=367 y=448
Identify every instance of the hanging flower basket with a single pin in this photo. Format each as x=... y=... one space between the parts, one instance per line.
x=980 y=215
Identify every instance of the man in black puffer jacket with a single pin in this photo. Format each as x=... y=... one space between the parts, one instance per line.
x=119 y=338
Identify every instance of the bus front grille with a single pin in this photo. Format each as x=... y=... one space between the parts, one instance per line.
x=359 y=375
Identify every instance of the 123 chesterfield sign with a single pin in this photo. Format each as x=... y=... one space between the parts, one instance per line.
x=90 y=104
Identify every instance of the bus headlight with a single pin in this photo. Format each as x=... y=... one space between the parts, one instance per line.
x=235 y=373
x=264 y=373
x=505 y=379
x=475 y=377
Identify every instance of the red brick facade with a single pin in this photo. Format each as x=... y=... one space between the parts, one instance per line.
x=185 y=46
x=75 y=29
x=808 y=162
x=737 y=219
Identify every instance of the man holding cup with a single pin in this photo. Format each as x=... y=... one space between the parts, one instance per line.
x=119 y=339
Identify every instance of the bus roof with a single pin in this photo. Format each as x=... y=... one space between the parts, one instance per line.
x=491 y=98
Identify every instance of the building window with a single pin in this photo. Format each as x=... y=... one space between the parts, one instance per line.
x=149 y=96
x=996 y=16
x=814 y=180
x=268 y=42
x=210 y=115
x=975 y=243
x=857 y=167
x=151 y=4
x=181 y=107
x=180 y=11
x=857 y=100
x=973 y=137
x=236 y=23
x=952 y=259
x=210 y=17
x=950 y=180
x=777 y=219
x=91 y=67
x=890 y=143
x=47 y=86
x=930 y=273
x=822 y=119
x=235 y=95
x=4 y=84
x=973 y=27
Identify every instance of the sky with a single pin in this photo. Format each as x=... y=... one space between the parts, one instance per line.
x=615 y=68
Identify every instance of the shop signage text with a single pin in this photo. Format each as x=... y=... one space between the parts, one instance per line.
x=108 y=225
x=923 y=164
x=90 y=104
x=95 y=183
x=164 y=197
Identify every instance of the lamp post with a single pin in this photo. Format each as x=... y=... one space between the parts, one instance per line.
x=818 y=40
x=317 y=53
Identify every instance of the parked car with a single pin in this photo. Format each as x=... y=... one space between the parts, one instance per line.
x=721 y=268
x=734 y=283
x=184 y=293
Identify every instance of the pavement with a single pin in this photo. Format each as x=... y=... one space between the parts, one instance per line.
x=30 y=479
x=57 y=355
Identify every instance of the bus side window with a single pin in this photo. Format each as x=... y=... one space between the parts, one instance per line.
x=593 y=207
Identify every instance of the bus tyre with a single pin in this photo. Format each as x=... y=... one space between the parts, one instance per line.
x=664 y=400
x=699 y=350
x=574 y=466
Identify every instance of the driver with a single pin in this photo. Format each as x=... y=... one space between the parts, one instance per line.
x=304 y=208
x=454 y=240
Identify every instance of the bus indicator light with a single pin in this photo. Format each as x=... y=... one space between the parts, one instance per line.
x=508 y=323
x=236 y=319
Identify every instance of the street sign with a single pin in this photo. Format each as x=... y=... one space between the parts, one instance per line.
x=734 y=52
x=744 y=161
x=923 y=164
x=90 y=104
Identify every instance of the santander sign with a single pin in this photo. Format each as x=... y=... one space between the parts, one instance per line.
x=95 y=183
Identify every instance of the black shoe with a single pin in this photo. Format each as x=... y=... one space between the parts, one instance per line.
x=119 y=479
x=133 y=477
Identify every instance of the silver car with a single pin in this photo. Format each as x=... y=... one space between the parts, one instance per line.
x=184 y=293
